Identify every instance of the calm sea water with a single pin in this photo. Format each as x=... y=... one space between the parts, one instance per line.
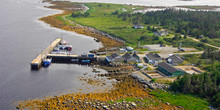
x=22 y=37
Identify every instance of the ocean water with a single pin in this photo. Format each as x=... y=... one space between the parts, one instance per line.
x=23 y=37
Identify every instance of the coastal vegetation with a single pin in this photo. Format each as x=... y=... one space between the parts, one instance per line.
x=119 y=21
x=205 y=85
x=125 y=93
x=194 y=23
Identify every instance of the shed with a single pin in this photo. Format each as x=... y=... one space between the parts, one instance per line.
x=114 y=58
x=174 y=60
x=169 y=70
x=153 y=58
x=129 y=58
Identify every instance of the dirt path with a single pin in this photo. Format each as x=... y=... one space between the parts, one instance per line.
x=204 y=43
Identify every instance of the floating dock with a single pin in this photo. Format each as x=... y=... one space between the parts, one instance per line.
x=37 y=62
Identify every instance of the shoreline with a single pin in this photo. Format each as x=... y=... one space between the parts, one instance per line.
x=67 y=8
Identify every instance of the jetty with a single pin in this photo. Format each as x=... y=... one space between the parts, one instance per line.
x=61 y=57
x=37 y=62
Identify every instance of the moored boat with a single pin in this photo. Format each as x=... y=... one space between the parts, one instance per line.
x=63 y=42
x=46 y=62
x=68 y=47
x=85 y=61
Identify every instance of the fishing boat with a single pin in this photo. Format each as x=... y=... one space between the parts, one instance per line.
x=56 y=49
x=63 y=42
x=46 y=62
x=68 y=47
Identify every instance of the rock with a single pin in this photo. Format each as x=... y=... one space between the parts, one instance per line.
x=97 y=107
x=105 y=107
x=126 y=106
x=17 y=107
x=167 y=103
x=123 y=102
x=133 y=104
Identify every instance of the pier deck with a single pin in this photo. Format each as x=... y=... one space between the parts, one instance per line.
x=36 y=63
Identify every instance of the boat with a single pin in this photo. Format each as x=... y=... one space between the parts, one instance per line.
x=46 y=62
x=68 y=47
x=74 y=60
x=56 y=49
x=63 y=42
x=85 y=61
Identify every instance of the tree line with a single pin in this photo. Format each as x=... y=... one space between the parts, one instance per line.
x=206 y=85
x=195 y=23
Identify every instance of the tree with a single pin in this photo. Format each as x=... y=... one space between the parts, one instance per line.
x=161 y=42
x=115 y=13
x=86 y=14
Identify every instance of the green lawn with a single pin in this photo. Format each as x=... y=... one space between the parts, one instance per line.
x=187 y=101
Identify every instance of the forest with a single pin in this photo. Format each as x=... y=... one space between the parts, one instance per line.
x=206 y=85
x=194 y=23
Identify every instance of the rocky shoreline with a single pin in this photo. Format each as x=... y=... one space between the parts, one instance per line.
x=150 y=84
x=107 y=40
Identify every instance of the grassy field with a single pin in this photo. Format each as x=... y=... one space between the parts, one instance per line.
x=101 y=18
x=187 y=101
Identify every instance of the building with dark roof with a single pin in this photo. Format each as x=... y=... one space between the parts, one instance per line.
x=114 y=58
x=174 y=60
x=153 y=58
x=137 y=57
x=169 y=70
x=129 y=58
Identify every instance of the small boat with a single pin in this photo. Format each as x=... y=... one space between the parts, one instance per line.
x=46 y=62
x=74 y=60
x=56 y=49
x=85 y=61
x=55 y=52
x=68 y=47
x=63 y=42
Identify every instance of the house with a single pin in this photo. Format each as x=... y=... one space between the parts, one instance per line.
x=174 y=60
x=153 y=58
x=129 y=48
x=114 y=58
x=161 y=33
x=169 y=70
x=138 y=26
x=137 y=57
x=129 y=58
x=123 y=50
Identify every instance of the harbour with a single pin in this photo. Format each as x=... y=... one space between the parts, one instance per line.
x=53 y=54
